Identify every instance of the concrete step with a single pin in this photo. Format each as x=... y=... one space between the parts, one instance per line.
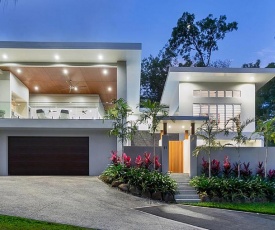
x=187 y=192
x=188 y=200
x=193 y=196
x=186 y=189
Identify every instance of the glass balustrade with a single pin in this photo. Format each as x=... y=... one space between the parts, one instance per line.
x=51 y=110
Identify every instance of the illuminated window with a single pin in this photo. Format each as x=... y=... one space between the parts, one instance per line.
x=219 y=112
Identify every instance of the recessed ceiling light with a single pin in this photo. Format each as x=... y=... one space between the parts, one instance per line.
x=36 y=88
x=19 y=71
x=187 y=78
x=105 y=71
x=252 y=78
x=183 y=126
x=5 y=56
x=56 y=57
x=109 y=89
x=65 y=71
x=169 y=127
x=100 y=57
x=75 y=88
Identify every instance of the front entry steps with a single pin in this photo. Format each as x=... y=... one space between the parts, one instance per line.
x=186 y=192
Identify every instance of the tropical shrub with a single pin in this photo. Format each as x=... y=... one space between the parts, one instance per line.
x=226 y=167
x=205 y=167
x=271 y=175
x=215 y=167
x=235 y=189
x=246 y=171
x=140 y=176
x=260 y=169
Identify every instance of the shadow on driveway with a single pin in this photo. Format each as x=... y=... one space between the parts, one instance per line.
x=212 y=218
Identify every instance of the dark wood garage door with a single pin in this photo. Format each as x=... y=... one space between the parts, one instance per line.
x=48 y=155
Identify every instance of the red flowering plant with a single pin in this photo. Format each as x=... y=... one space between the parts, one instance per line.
x=260 y=169
x=147 y=161
x=115 y=158
x=139 y=161
x=226 y=167
x=215 y=167
x=205 y=167
x=157 y=164
x=271 y=174
x=126 y=160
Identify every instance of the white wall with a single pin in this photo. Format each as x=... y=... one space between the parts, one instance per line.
x=5 y=96
x=186 y=156
x=247 y=99
x=248 y=154
x=19 y=88
x=100 y=145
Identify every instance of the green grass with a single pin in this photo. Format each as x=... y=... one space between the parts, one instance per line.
x=12 y=222
x=265 y=208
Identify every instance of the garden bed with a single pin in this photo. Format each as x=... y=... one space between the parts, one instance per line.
x=140 y=180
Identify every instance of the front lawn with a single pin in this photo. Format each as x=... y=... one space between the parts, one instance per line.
x=265 y=208
x=12 y=222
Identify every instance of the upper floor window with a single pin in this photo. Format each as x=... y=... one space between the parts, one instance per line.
x=216 y=93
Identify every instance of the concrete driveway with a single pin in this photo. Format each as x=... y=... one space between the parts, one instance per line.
x=82 y=201
x=87 y=202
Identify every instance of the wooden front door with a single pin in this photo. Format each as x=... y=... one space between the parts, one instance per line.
x=176 y=156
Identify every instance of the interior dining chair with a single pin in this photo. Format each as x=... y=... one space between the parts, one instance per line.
x=40 y=114
x=64 y=114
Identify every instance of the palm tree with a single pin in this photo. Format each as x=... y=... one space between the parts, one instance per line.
x=208 y=132
x=122 y=128
x=152 y=114
x=266 y=129
x=239 y=138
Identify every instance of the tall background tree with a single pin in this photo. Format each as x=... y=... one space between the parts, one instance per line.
x=265 y=97
x=154 y=71
x=191 y=44
x=195 y=41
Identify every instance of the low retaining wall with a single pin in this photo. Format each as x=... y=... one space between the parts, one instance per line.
x=247 y=154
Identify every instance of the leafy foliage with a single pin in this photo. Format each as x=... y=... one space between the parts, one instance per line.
x=260 y=169
x=152 y=114
x=140 y=177
x=252 y=65
x=266 y=129
x=194 y=41
x=239 y=138
x=191 y=44
x=208 y=132
x=226 y=167
x=122 y=128
x=154 y=71
x=234 y=189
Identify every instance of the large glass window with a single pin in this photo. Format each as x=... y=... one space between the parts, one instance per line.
x=220 y=112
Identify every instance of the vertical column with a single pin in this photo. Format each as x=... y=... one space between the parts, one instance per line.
x=165 y=153
x=192 y=128
x=193 y=159
x=121 y=80
x=121 y=90
x=164 y=128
